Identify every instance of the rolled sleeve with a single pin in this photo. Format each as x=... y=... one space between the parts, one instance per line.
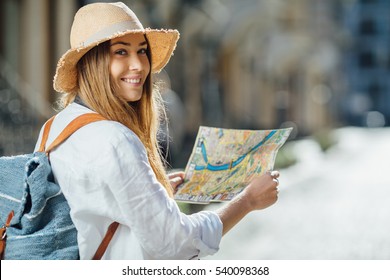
x=210 y=235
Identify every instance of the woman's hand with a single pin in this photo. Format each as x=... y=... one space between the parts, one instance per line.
x=176 y=178
x=261 y=193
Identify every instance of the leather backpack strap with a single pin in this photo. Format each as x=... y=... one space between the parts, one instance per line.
x=45 y=134
x=3 y=234
x=106 y=240
x=74 y=125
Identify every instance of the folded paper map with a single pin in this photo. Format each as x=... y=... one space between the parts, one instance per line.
x=224 y=161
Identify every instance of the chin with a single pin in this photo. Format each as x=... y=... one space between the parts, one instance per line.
x=133 y=98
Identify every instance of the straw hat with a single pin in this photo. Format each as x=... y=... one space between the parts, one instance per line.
x=99 y=22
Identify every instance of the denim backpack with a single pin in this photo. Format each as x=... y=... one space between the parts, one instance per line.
x=33 y=209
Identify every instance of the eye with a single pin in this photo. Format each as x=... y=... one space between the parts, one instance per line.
x=142 y=51
x=121 y=52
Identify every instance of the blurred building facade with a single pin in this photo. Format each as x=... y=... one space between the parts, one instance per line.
x=367 y=62
x=241 y=64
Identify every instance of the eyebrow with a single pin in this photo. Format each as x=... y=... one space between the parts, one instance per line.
x=128 y=44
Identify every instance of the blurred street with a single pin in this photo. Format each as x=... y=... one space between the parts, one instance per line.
x=333 y=205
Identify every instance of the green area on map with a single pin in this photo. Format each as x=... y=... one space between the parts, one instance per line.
x=223 y=161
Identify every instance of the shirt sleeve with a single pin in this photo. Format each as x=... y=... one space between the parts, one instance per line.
x=145 y=207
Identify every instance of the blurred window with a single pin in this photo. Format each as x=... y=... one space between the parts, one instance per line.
x=368 y=27
x=368 y=1
x=366 y=60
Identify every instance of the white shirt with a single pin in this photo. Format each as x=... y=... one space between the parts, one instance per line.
x=105 y=176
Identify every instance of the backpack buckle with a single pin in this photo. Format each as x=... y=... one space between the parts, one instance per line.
x=3 y=230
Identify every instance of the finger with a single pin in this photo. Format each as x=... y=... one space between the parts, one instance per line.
x=176 y=174
x=172 y=175
x=274 y=174
x=176 y=181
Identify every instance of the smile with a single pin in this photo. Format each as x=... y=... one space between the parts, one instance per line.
x=131 y=81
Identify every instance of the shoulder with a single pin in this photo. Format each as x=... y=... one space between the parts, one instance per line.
x=99 y=136
x=111 y=133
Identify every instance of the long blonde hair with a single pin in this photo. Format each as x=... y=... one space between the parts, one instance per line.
x=97 y=90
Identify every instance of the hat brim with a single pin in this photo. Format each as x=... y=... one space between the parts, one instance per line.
x=162 y=43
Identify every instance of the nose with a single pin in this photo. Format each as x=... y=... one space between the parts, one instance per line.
x=135 y=63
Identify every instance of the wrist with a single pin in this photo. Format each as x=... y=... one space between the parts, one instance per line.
x=245 y=202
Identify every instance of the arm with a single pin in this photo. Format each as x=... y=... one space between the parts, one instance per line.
x=261 y=193
x=143 y=206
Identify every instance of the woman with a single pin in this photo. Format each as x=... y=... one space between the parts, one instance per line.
x=111 y=170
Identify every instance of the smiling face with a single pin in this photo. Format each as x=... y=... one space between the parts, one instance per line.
x=129 y=65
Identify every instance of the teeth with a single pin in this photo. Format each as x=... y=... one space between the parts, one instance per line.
x=132 y=81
